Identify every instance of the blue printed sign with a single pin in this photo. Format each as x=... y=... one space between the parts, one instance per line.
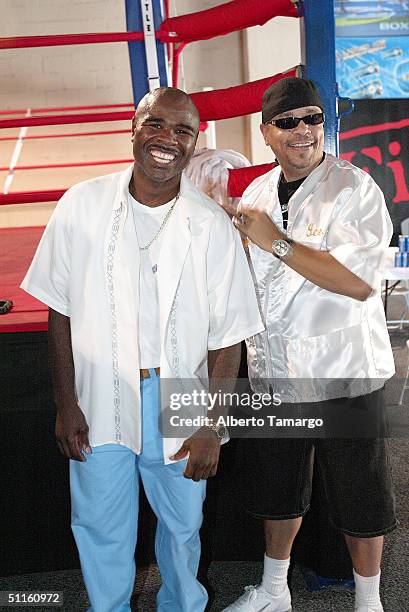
x=373 y=67
x=372 y=48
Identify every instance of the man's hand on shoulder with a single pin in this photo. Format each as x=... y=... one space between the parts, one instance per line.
x=71 y=432
x=203 y=448
x=256 y=225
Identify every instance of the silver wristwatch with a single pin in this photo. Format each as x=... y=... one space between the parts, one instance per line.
x=282 y=248
x=221 y=431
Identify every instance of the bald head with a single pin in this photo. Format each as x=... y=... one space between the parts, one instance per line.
x=173 y=97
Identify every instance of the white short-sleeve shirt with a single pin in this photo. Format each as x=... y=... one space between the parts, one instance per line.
x=87 y=267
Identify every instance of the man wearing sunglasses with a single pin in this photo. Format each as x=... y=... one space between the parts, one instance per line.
x=319 y=230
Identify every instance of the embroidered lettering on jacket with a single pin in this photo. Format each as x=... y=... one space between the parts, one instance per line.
x=312 y=230
x=175 y=365
x=114 y=324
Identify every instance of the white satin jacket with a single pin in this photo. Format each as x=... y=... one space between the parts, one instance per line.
x=87 y=268
x=338 y=345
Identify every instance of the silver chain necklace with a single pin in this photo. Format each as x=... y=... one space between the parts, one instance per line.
x=164 y=222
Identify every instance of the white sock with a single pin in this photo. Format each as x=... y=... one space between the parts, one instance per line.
x=275 y=575
x=367 y=591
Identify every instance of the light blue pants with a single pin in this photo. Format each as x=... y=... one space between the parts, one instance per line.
x=104 y=501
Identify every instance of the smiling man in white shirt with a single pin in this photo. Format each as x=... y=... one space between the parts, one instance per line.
x=145 y=278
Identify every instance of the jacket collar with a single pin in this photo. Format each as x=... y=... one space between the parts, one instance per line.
x=189 y=194
x=123 y=188
x=300 y=198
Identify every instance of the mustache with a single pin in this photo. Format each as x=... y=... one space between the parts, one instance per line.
x=164 y=149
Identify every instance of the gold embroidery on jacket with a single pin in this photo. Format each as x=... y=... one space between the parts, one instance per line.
x=314 y=231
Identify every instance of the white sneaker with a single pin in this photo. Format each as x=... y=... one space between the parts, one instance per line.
x=257 y=599
x=365 y=608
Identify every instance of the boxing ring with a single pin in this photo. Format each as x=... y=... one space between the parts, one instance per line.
x=156 y=42
x=155 y=50
x=27 y=314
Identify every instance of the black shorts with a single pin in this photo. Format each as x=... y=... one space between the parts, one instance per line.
x=275 y=478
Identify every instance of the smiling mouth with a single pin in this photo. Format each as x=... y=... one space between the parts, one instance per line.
x=301 y=145
x=162 y=157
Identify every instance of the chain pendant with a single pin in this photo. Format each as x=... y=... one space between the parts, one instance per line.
x=164 y=222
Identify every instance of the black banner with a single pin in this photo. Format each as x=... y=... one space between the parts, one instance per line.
x=375 y=137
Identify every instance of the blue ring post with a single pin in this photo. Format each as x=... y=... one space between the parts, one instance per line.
x=137 y=54
x=319 y=41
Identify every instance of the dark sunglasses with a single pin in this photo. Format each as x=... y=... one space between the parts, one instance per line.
x=289 y=123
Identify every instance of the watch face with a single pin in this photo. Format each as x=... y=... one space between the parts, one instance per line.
x=222 y=431
x=281 y=247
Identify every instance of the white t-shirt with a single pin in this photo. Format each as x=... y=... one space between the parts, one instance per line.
x=147 y=222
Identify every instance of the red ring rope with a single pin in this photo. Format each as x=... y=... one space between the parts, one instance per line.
x=212 y=105
x=66 y=135
x=66 y=119
x=36 y=111
x=228 y=17
x=223 y=19
x=240 y=178
x=103 y=162
x=203 y=128
x=54 y=40
x=29 y=197
x=234 y=101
